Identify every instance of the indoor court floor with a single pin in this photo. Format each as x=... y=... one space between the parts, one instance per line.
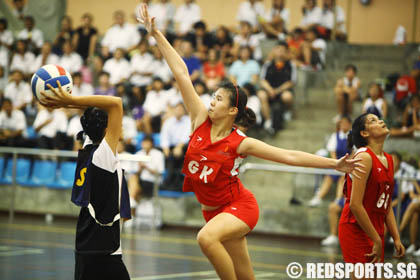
x=31 y=249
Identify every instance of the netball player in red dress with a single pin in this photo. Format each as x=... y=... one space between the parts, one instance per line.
x=212 y=160
x=368 y=197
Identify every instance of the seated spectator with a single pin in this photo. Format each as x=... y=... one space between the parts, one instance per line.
x=253 y=101
x=275 y=22
x=213 y=70
x=277 y=81
x=85 y=37
x=412 y=214
x=118 y=67
x=333 y=21
x=278 y=13
x=50 y=125
x=160 y=67
x=155 y=106
x=246 y=38
x=250 y=11
x=3 y=80
x=121 y=35
x=411 y=119
x=202 y=91
x=337 y=148
x=185 y=17
x=295 y=43
x=223 y=43
x=74 y=127
x=127 y=100
x=312 y=14
x=200 y=39
x=244 y=70
x=22 y=59
x=148 y=173
x=105 y=87
x=314 y=49
x=65 y=34
x=12 y=125
x=6 y=42
x=19 y=10
x=192 y=62
x=164 y=12
x=130 y=132
x=31 y=35
x=174 y=141
x=18 y=91
x=407 y=85
x=408 y=193
x=79 y=87
x=347 y=90
x=45 y=57
x=140 y=66
x=375 y=103
x=96 y=67
x=70 y=60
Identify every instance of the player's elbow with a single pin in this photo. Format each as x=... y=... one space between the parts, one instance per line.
x=355 y=207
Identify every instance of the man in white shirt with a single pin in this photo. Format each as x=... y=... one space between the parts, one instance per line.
x=129 y=132
x=45 y=57
x=141 y=66
x=121 y=34
x=160 y=67
x=250 y=11
x=32 y=35
x=155 y=106
x=48 y=123
x=118 y=67
x=22 y=59
x=164 y=12
x=314 y=49
x=186 y=15
x=174 y=141
x=6 y=41
x=70 y=60
x=18 y=91
x=12 y=125
x=312 y=14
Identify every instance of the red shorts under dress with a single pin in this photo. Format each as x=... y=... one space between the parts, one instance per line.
x=245 y=208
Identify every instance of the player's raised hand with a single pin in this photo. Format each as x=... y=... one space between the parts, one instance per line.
x=144 y=18
x=59 y=99
x=350 y=166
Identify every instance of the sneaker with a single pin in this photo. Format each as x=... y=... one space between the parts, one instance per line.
x=331 y=240
x=268 y=124
x=417 y=253
x=129 y=224
x=411 y=249
x=287 y=116
x=314 y=202
x=391 y=240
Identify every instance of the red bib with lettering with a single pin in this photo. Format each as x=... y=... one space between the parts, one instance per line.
x=211 y=169
x=378 y=193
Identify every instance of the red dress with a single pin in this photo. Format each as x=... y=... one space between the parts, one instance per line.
x=377 y=200
x=211 y=172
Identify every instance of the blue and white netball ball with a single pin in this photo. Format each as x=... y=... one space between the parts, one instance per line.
x=49 y=75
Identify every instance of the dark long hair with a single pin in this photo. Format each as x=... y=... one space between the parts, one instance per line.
x=94 y=121
x=245 y=117
x=355 y=138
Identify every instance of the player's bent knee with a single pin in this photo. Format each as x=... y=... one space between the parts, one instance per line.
x=205 y=240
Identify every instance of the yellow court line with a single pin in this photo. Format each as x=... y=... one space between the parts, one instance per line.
x=132 y=252
x=173 y=240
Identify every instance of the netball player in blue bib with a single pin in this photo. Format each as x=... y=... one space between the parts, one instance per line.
x=99 y=187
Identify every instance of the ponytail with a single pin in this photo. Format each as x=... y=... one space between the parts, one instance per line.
x=355 y=138
x=247 y=119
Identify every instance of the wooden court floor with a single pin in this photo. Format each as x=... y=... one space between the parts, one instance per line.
x=30 y=249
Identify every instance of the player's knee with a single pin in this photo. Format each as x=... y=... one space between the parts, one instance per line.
x=333 y=207
x=205 y=240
